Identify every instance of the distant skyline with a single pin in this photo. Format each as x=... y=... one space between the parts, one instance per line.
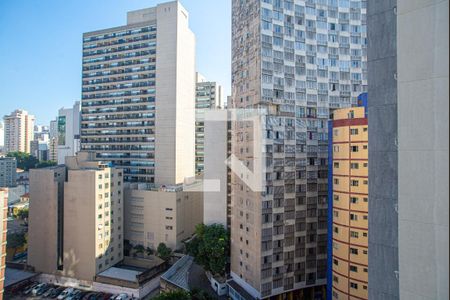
x=41 y=54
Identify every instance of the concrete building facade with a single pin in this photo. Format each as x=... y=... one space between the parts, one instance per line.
x=166 y=215
x=2 y=136
x=76 y=218
x=8 y=171
x=19 y=131
x=216 y=173
x=138 y=98
x=3 y=231
x=296 y=60
x=68 y=132
x=209 y=95
x=408 y=145
x=348 y=203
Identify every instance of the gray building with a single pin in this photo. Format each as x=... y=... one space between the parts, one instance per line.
x=408 y=146
x=296 y=60
x=8 y=173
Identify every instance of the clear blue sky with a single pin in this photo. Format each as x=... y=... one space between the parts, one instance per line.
x=41 y=42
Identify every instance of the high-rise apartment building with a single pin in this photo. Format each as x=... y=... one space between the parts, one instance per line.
x=2 y=136
x=8 y=171
x=138 y=99
x=19 y=131
x=409 y=149
x=348 y=203
x=295 y=60
x=68 y=132
x=3 y=231
x=76 y=218
x=209 y=95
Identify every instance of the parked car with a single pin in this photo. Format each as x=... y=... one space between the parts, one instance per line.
x=113 y=297
x=122 y=296
x=39 y=289
x=20 y=287
x=29 y=288
x=57 y=292
x=106 y=296
x=43 y=290
x=48 y=292
x=88 y=296
x=73 y=295
x=65 y=293
x=81 y=295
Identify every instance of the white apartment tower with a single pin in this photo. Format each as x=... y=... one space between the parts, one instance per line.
x=19 y=131
x=68 y=132
x=296 y=59
x=138 y=95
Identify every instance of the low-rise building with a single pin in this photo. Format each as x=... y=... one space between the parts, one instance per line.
x=8 y=173
x=76 y=218
x=167 y=214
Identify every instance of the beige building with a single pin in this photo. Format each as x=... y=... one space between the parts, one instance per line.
x=138 y=98
x=3 y=230
x=18 y=131
x=76 y=218
x=166 y=215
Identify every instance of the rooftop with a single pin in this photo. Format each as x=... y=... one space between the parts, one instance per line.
x=13 y=276
x=121 y=274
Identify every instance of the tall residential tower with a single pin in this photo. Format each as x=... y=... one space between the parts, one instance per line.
x=295 y=60
x=138 y=95
x=19 y=131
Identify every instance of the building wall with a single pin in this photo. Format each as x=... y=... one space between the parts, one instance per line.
x=154 y=217
x=68 y=132
x=162 y=97
x=408 y=132
x=45 y=231
x=8 y=172
x=3 y=231
x=423 y=148
x=349 y=262
x=208 y=96
x=77 y=222
x=19 y=127
x=216 y=140
x=175 y=115
x=297 y=60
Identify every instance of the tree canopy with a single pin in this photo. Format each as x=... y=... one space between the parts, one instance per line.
x=163 y=252
x=210 y=247
x=195 y=294
x=25 y=161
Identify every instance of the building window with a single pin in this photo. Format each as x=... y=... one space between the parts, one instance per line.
x=354 y=251
x=353 y=269
x=354 y=200
x=353 y=217
x=354 y=131
x=355 y=183
x=354 y=166
x=355 y=149
x=335 y=262
x=354 y=234
x=335 y=279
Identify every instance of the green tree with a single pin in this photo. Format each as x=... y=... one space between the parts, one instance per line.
x=197 y=294
x=210 y=247
x=25 y=161
x=174 y=295
x=45 y=164
x=139 y=249
x=149 y=251
x=127 y=247
x=23 y=213
x=163 y=252
x=15 y=241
